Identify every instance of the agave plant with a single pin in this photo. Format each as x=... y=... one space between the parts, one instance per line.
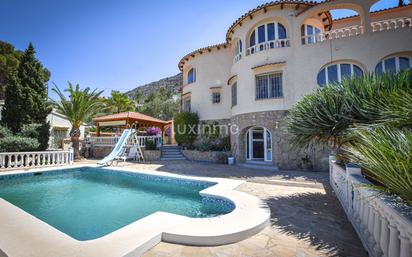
x=327 y=115
x=386 y=154
x=319 y=118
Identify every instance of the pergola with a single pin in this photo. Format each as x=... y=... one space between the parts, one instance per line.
x=132 y=120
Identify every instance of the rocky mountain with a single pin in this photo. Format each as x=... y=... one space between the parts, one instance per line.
x=172 y=84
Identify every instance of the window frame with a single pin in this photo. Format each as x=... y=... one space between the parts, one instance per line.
x=191 y=76
x=216 y=95
x=339 y=72
x=255 y=33
x=313 y=38
x=278 y=74
x=187 y=104
x=233 y=90
x=397 y=63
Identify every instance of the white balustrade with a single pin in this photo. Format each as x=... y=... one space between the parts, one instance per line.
x=238 y=57
x=333 y=34
x=384 y=230
x=12 y=160
x=279 y=43
x=111 y=141
x=391 y=24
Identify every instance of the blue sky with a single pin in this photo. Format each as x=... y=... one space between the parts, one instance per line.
x=112 y=44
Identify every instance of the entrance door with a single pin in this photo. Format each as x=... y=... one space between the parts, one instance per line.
x=258 y=144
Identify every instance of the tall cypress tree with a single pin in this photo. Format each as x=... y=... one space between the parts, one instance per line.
x=12 y=113
x=26 y=97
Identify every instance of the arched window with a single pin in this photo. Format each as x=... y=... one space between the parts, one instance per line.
x=270 y=35
x=239 y=47
x=336 y=72
x=310 y=34
x=238 y=50
x=393 y=64
x=191 y=76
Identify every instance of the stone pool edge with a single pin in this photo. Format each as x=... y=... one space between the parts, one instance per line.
x=21 y=234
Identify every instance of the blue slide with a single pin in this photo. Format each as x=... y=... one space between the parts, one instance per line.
x=118 y=148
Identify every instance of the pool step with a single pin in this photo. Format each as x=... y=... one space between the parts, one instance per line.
x=170 y=153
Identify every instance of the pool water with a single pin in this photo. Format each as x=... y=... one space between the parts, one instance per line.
x=87 y=203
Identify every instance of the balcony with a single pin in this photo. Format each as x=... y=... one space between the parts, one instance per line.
x=279 y=43
x=356 y=30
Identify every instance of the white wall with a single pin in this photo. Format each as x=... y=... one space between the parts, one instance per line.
x=303 y=62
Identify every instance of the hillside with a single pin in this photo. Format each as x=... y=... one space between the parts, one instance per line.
x=172 y=84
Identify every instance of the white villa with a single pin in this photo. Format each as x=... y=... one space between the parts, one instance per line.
x=60 y=128
x=278 y=52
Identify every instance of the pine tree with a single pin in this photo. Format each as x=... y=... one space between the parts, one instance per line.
x=12 y=113
x=26 y=97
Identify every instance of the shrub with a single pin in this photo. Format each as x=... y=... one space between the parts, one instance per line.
x=38 y=131
x=386 y=154
x=18 y=144
x=150 y=145
x=186 y=125
x=4 y=132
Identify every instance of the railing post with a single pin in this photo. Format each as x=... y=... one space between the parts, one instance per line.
x=71 y=156
x=351 y=170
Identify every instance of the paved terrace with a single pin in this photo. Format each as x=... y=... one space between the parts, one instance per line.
x=306 y=218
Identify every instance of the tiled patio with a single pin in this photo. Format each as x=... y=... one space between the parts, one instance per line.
x=307 y=219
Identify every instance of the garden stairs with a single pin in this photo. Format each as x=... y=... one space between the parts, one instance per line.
x=171 y=153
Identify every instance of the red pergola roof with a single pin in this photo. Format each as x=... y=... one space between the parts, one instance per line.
x=137 y=116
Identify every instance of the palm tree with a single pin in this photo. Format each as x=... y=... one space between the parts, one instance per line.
x=80 y=107
x=119 y=102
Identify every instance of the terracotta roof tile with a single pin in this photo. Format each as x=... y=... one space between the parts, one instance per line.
x=129 y=115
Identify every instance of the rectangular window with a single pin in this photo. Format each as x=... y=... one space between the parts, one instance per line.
x=271 y=31
x=269 y=86
x=234 y=94
x=186 y=104
x=216 y=97
x=191 y=76
x=309 y=32
x=261 y=34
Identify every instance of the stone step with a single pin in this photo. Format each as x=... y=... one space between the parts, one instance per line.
x=262 y=166
x=172 y=154
x=171 y=151
x=172 y=158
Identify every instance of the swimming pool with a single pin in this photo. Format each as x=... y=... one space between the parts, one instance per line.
x=87 y=210
x=87 y=202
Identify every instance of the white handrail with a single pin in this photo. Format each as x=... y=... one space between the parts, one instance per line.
x=380 y=221
x=10 y=160
x=278 y=43
x=391 y=24
x=111 y=141
x=333 y=34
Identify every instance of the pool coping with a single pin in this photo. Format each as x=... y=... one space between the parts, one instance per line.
x=22 y=234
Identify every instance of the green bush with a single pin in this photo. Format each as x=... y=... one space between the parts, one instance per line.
x=386 y=154
x=4 y=132
x=18 y=144
x=186 y=125
x=150 y=145
x=38 y=131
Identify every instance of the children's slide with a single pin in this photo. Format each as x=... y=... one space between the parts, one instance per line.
x=118 y=148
